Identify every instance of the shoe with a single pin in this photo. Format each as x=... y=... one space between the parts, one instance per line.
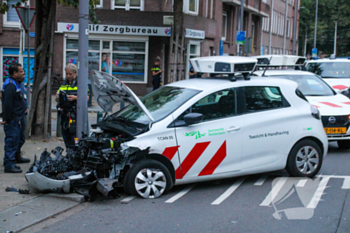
x=22 y=160
x=13 y=170
x=17 y=167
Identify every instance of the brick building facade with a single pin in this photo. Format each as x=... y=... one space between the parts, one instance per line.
x=131 y=34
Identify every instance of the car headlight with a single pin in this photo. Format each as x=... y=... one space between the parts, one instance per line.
x=345 y=92
x=315 y=113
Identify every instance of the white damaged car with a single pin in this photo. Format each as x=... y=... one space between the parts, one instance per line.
x=189 y=131
x=333 y=106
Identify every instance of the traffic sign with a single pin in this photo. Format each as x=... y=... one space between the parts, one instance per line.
x=221 y=48
x=314 y=52
x=22 y=14
x=240 y=38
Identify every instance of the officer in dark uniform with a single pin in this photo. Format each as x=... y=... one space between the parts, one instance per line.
x=66 y=97
x=192 y=73
x=14 y=107
x=156 y=71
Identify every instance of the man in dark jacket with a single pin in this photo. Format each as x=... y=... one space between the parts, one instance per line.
x=14 y=107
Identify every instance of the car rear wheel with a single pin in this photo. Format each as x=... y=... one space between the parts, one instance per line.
x=344 y=144
x=305 y=159
x=148 y=179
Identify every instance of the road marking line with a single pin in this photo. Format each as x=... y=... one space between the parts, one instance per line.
x=301 y=183
x=319 y=192
x=346 y=183
x=179 y=195
x=228 y=192
x=127 y=199
x=261 y=180
x=273 y=193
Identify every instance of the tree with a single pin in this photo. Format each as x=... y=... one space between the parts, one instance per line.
x=40 y=112
x=338 y=10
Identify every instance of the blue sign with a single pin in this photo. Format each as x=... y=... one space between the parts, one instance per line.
x=221 y=47
x=314 y=52
x=262 y=50
x=31 y=34
x=240 y=37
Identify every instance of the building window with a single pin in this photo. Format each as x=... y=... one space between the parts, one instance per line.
x=224 y=25
x=288 y=27
x=125 y=60
x=99 y=3
x=11 y=18
x=266 y=49
x=128 y=5
x=191 y=7
x=193 y=51
x=266 y=22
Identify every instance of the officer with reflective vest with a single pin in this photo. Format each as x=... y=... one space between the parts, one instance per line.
x=156 y=72
x=66 y=97
x=14 y=109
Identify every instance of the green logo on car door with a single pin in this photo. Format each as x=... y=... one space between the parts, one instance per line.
x=195 y=133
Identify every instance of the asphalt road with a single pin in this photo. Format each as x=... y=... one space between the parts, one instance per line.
x=270 y=202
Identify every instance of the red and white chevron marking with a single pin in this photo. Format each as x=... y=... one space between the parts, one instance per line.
x=330 y=104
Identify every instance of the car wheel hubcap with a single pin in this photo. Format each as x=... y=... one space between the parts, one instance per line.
x=150 y=183
x=307 y=159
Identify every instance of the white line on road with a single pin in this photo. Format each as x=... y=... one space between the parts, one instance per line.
x=301 y=183
x=319 y=192
x=346 y=183
x=273 y=193
x=127 y=199
x=261 y=180
x=228 y=192
x=179 y=195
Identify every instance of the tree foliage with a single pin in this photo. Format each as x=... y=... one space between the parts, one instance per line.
x=328 y=13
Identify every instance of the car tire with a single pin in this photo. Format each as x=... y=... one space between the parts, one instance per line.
x=305 y=159
x=148 y=179
x=343 y=144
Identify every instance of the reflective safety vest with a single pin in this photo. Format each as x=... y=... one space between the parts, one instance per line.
x=65 y=90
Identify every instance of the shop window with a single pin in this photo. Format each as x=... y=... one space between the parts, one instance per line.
x=125 y=60
x=191 y=7
x=128 y=5
x=11 y=18
x=224 y=25
x=10 y=55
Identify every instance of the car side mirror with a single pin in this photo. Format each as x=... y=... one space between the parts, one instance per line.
x=193 y=118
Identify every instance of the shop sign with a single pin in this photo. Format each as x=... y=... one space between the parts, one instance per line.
x=116 y=29
x=195 y=34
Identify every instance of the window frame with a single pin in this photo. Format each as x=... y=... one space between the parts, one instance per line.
x=99 y=6
x=127 y=6
x=224 y=15
x=186 y=7
x=110 y=51
x=11 y=23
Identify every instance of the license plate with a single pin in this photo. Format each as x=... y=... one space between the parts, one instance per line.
x=339 y=130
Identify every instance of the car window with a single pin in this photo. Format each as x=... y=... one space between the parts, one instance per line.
x=214 y=106
x=159 y=103
x=330 y=69
x=259 y=98
x=311 y=85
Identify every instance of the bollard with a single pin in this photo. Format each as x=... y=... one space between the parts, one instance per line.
x=99 y=116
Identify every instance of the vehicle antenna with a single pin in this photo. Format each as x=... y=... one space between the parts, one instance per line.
x=267 y=65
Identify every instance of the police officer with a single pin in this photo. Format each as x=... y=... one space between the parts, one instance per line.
x=156 y=71
x=192 y=73
x=14 y=108
x=66 y=97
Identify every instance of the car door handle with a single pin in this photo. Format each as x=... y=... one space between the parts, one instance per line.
x=233 y=128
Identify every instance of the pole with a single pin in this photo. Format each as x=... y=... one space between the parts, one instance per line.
x=295 y=25
x=335 y=40
x=305 y=44
x=315 y=24
x=82 y=113
x=271 y=20
x=285 y=28
x=28 y=54
x=241 y=26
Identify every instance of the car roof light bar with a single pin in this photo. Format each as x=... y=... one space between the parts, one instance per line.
x=280 y=60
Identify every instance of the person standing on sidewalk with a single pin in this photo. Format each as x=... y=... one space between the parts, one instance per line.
x=66 y=97
x=156 y=71
x=14 y=108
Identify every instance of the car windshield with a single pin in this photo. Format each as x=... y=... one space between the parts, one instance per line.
x=310 y=85
x=160 y=104
x=330 y=69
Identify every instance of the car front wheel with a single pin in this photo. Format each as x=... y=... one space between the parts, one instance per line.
x=344 y=144
x=305 y=159
x=148 y=179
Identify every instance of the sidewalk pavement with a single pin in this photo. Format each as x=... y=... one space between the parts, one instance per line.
x=19 y=211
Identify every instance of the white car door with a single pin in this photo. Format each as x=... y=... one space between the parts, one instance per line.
x=214 y=145
x=270 y=126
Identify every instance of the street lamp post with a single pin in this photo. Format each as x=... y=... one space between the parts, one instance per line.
x=315 y=24
x=335 y=39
